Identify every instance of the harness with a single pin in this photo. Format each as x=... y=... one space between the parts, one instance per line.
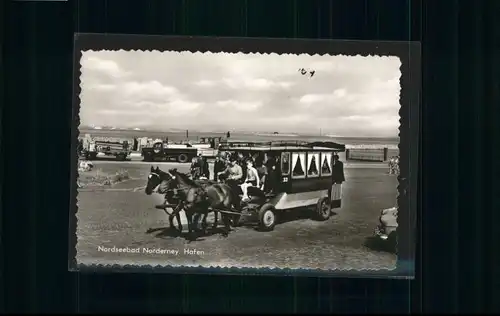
x=199 y=193
x=158 y=186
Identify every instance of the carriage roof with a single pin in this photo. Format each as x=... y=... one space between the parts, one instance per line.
x=283 y=146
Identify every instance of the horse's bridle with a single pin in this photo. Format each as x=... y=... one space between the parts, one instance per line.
x=173 y=178
x=159 y=178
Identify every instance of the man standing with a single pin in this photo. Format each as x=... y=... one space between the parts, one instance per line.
x=219 y=166
x=338 y=177
x=205 y=168
x=195 y=169
x=272 y=168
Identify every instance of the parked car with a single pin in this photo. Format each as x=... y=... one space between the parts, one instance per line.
x=386 y=230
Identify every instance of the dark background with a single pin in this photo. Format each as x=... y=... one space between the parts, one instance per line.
x=458 y=266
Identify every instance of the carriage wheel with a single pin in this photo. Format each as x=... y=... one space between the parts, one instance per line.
x=267 y=217
x=323 y=209
x=182 y=158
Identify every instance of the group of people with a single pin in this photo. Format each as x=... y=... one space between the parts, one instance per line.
x=260 y=170
x=199 y=168
x=238 y=169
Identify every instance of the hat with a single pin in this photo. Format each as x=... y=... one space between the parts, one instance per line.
x=233 y=158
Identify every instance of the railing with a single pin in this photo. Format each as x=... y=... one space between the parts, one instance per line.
x=304 y=144
x=371 y=154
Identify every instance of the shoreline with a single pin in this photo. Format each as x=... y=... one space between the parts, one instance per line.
x=354 y=143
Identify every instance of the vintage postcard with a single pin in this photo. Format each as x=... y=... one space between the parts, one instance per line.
x=244 y=155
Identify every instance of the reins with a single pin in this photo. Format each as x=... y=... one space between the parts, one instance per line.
x=186 y=187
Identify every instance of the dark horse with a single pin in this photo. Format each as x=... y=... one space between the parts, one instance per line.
x=200 y=200
x=155 y=179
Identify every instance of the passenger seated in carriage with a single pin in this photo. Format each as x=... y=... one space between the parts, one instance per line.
x=260 y=161
x=251 y=180
x=241 y=161
x=232 y=174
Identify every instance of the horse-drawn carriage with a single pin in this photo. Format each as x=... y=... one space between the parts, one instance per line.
x=302 y=178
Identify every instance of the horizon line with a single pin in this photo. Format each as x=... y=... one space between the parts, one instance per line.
x=179 y=130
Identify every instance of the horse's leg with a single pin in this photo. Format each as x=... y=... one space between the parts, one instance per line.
x=179 y=224
x=189 y=216
x=226 y=219
x=204 y=224
x=176 y=214
x=196 y=214
x=227 y=225
x=196 y=221
x=216 y=219
x=171 y=220
x=232 y=203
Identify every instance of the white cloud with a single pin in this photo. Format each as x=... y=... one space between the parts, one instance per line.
x=240 y=106
x=105 y=66
x=339 y=93
x=148 y=89
x=326 y=97
x=346 y=96
x=205 y=83
x=183 y=106
x=101 y=87
x=313 y=98
x=256 y=84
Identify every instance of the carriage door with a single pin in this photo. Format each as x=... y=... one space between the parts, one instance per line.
x=285 y=172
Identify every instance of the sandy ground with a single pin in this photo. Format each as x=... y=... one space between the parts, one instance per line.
x=119 y=217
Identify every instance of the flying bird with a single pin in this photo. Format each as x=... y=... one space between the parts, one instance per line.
x=304 y=72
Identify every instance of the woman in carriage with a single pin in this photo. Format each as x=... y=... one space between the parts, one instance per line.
x=251 y=180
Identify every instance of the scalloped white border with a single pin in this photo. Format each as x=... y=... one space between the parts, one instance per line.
x=221 y=269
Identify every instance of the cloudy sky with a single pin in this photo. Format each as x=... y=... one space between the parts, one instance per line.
x=347 y=96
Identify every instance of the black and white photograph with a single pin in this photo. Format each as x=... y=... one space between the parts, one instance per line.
x=238 y=159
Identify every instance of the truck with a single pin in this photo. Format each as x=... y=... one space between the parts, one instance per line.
x=121 y=150
x=208 y=146
x=162 y=150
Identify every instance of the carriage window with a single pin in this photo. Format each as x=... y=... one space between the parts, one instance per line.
x=312 y=164
x=285 y=163
x=298 y=165
x=326 y=164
